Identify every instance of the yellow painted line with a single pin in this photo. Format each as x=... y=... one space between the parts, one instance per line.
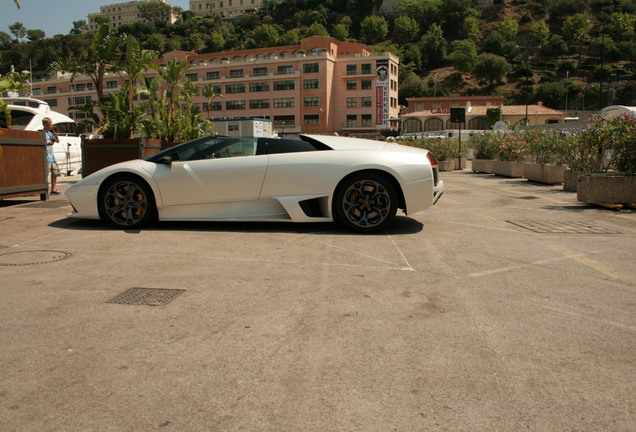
x=588 y=262
x=494 y=220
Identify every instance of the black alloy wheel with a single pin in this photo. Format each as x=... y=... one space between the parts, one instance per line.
x=127 y=203
x=365 y=203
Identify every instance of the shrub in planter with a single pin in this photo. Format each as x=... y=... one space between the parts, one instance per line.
x=484 y=146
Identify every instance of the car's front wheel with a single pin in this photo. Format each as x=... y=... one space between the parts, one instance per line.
x=365 y=203
x=127 y=202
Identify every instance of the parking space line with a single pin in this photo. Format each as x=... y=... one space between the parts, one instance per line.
x=588 y=262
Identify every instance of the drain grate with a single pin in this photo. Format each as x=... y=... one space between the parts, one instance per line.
x=563 y=228
x=146 y=296
x=24 y=258
x=48 y=204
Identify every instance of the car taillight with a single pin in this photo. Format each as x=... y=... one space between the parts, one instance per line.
x=431 y=159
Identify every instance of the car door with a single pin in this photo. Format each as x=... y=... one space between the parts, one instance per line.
x=227 y=170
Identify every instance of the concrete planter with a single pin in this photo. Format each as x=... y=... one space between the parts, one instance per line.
x=483 y=165
x=571 y=180
x=508 y=168
x=463 y=164
x=446 y=165
x=544 y=173
x=606 y=188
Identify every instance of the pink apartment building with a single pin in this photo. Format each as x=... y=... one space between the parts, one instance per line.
x=320 y=86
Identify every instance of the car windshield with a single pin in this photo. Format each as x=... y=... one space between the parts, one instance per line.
x=211 y=147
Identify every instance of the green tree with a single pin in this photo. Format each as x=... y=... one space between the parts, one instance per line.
x=374 y=29
x=577 y=28
x=463 y=55
x=194 y=42
x=405 y=30
x=471 y=28
x=102 y=57
x=155 y=12
x=266 y=35
x=216 y=42
x=424 y=12
x=290 y=37
x=79 y=27
x=412 y=86
x=491 y=67
x=621 y=26
x=539 y=32
x=18 y=30
x=156 y=42
x=5 y=40
x=509 y=28
x=316 y=29
x=35 y=35
x=340 y=32
x=433 y=47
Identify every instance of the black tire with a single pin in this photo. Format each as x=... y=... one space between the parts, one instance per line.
x=127 y=202
x=365 y=203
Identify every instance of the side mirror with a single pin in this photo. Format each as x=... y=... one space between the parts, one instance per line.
x=166 y=160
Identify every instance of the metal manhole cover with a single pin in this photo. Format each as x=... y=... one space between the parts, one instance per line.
x=24 y=258
x=48 y=204
x=146 y=296
x=563 y=228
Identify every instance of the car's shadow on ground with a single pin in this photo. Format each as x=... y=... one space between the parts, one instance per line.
x=401 y=225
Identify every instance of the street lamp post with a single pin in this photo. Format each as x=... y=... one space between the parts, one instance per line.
x=567 y=88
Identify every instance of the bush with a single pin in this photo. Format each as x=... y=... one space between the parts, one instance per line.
x=604 y=143
x=443 y=149
x=484 y=145
x=545 y=146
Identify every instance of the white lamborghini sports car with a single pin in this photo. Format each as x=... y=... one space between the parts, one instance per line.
x=358 y=183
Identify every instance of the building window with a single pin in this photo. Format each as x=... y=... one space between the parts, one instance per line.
x=352 y=69
x=366 y=101
x=367 y=84
x=192 y=76
x=259 y=103
x=283 y=102
x=259 y=86
x=310 y=102
x=284 y=85
x=285 y=70
x=213 y=75
x=260 y=71
x=352 y=85
x=284 y=120
x=111 y=84
x=214 y=106
x=216 y=89
x=235 y=105
x=365 y=69
x=311 y=119
x=235 y=88
x=352 y=102
x=236 y=73
x=36 y=91
x=311 y=84
x=352 y=120
x=310 y=68
x=51 y=90
x=367 y=120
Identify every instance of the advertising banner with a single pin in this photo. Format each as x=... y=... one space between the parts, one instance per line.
x=382 y=94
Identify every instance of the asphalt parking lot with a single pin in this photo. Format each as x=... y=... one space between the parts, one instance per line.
x=507 y=306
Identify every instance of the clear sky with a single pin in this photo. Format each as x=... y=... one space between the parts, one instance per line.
x=55 y=16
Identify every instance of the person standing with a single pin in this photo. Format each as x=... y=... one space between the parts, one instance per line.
x=51 y=162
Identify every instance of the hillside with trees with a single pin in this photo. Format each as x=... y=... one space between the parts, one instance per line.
x=526 y=50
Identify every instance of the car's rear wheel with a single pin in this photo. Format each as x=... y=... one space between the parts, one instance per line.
x=127 y=202
x=365 y=203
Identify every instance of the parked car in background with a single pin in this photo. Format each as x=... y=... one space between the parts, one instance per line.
x=359 y=183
